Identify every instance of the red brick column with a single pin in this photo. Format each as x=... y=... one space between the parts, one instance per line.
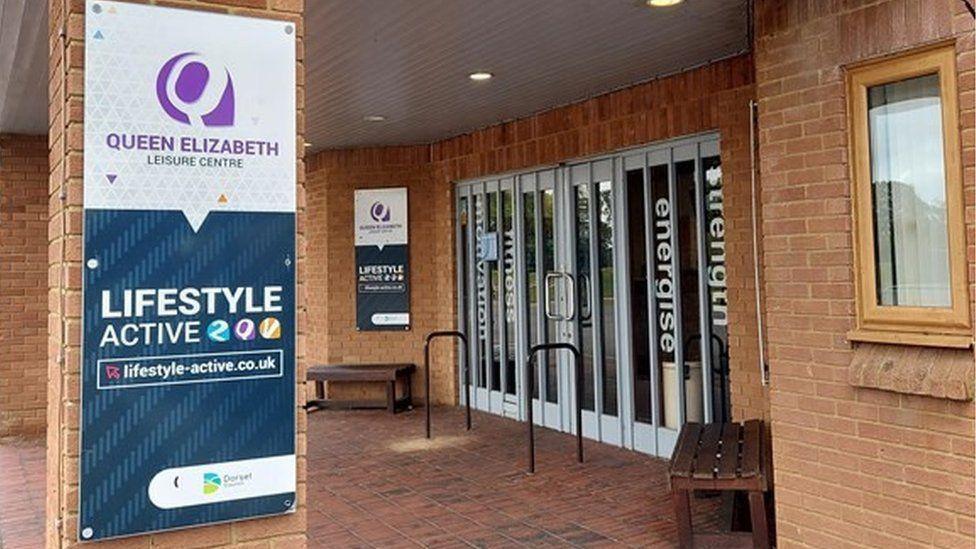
x=66 y=73
x=23 y=278
x=853 y=466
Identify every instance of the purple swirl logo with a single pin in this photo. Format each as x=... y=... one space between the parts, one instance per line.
x=191 y=93
x=380 y=212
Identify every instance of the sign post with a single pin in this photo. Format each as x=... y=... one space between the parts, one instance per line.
x=188 y=358
x=382 y=260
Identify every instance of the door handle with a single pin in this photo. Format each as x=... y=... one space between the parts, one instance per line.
x=571 y=307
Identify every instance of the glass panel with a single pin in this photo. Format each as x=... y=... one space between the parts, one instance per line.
x=664 y=295
x=908 y=184
x=688 y=260
x=607 y=305
x=548 y=265
x=640 y=346
x=481 y=285
x=465 y=298
x=531 y=274
x=508 y=237
x=494 y=286
x=717 y=303
x=584 y=285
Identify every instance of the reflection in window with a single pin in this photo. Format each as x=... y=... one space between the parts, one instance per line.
x=607 y=306
x=493 y=294
x=481 y=286
x=548 y=265
x=585 y=309
x=908 y=193
x=531 y=273
x=640 y=341
x=463 y=289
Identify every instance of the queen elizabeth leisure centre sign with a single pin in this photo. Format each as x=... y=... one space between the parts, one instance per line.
x=188 y=357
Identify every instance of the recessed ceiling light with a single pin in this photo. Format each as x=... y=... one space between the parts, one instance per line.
x=663 y=3
x=480 y=76
x=374 y=118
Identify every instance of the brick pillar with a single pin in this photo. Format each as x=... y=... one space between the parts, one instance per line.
x=66 y=92
x=23 y=256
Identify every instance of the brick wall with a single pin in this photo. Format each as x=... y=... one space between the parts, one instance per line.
x=333 y=176
x=64 y=291
x=711 y=98
x=854 y=466
x=23 y=277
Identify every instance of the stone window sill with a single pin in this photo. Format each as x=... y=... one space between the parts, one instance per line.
x=928 y=371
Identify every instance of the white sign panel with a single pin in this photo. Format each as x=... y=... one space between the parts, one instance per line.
x=381 y=216
x=189 y=111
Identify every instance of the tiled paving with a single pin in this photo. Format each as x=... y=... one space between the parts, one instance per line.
x=374 y=481
x=22 y=494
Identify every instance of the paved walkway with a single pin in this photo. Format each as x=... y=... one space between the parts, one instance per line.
x=22 y=491
x=374 y=481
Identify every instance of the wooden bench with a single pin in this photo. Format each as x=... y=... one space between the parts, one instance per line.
x=389 y=374
x=721 y=456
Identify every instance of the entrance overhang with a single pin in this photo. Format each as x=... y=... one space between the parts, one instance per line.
x=397 y=72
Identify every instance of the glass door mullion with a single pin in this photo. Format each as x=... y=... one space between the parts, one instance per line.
x=595 y=289
x=623 y=323
x=564 y=242
x=703 y=294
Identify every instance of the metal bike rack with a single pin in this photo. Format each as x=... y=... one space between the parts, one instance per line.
x=467 y=383
x=530 y=389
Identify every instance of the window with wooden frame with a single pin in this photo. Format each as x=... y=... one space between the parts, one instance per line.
x=909 y=231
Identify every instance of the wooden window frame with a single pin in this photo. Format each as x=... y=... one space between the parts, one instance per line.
x=930 y=326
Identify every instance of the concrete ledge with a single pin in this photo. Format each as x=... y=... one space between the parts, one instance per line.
x=939 y=373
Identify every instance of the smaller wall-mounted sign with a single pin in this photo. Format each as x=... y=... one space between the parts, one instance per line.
x=382 y=260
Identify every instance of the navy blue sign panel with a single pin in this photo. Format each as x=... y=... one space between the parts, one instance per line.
x=188 y=376
x=382 y=287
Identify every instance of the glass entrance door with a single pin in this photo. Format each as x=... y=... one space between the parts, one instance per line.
x=590 y=243
x=678 y=298
x=623 y=256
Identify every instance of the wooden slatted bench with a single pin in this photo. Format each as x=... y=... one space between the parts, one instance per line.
x=389 y=374
x=721 y=456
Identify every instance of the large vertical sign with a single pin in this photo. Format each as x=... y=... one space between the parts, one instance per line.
x=382 y=260
x=188 y=358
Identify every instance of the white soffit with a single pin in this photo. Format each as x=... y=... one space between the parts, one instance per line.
x=23 y=66
x=409 y=60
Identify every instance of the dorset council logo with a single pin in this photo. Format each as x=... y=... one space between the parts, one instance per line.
x=211 y=483
x=380 y=212
x=191 y=93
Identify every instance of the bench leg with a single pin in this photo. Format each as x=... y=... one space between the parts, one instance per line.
x=682 y=514
x=320 y=389
x=760 y=527
x=391 y=396
x=409 y=383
